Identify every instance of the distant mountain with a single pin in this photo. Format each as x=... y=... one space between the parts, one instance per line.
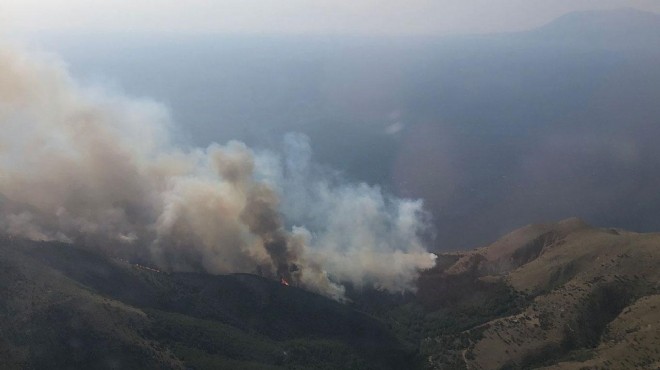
x=610 y=29
x=562 y=295
x=546 y=124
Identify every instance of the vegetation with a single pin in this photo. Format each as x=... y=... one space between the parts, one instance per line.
x=578 y=296
x=65 y=307
x=599 y=308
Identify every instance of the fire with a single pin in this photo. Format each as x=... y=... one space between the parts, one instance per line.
x=284 y=282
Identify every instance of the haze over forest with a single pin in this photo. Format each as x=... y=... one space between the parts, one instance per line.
x=492 y=131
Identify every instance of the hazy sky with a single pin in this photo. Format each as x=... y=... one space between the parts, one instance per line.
x=293 y=16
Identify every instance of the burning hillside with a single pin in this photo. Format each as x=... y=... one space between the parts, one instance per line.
x=83 y=165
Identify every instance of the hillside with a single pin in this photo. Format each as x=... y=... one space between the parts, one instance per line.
x=560 y=295
x=579 y=298
x=65 y=307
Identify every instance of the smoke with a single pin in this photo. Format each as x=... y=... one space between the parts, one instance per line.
x=82 y=165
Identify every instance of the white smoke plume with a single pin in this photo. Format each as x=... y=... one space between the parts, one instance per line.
x=82 y=165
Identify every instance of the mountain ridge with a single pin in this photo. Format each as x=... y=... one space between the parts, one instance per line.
x=561 y=295
x=579 y=290
x=93 y=302
x=616 y=29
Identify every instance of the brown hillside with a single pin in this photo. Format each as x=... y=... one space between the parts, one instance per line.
x=592 y=299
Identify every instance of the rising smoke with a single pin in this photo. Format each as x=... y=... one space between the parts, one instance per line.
x=81 y=165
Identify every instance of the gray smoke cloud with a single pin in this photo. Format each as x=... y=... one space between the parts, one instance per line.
x=82 y=165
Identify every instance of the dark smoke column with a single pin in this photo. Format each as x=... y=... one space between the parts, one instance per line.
x=235 y=165
x=262 y=218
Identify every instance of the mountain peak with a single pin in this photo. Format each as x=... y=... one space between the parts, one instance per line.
x=607 y=28
x=621 y=17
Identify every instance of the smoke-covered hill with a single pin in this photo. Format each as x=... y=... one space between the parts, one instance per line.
x=563 y=295
x=84 y=165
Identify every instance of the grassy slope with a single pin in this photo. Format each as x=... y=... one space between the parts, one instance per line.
x=50 y=321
